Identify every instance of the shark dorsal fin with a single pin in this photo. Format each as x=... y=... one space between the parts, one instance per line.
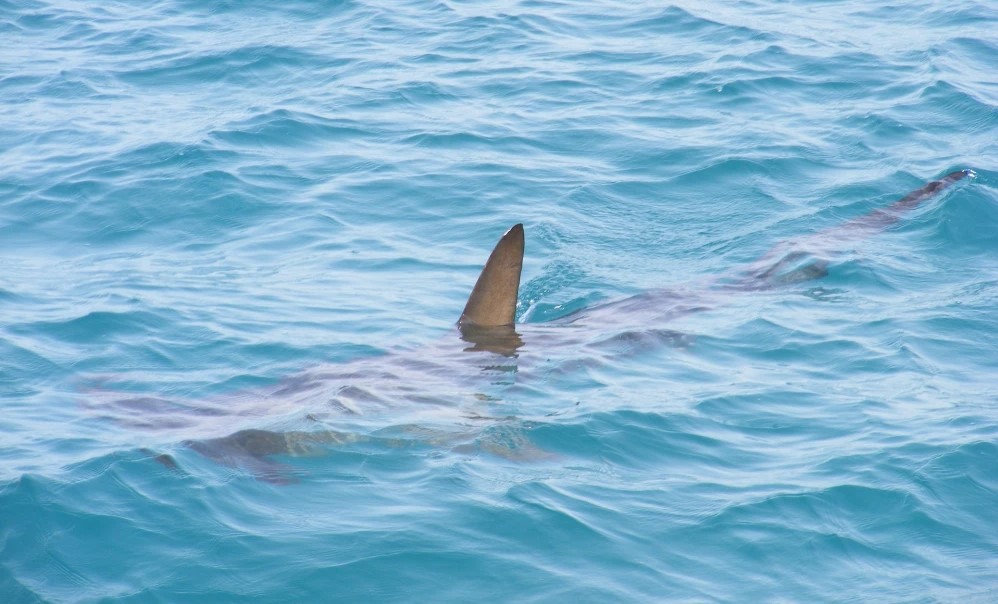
x=493 y=300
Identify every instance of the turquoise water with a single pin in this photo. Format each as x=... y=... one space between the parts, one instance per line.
x=235 y=237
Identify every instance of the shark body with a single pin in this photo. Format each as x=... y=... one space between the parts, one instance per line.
x=436 y=380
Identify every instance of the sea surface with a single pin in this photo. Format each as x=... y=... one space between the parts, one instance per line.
x=235 y=238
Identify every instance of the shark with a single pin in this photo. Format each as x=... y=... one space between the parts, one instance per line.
x=326 y=406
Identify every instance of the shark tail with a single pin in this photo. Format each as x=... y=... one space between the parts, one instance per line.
x=780 y=267
x=885 y=217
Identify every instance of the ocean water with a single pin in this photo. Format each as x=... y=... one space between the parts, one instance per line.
x=235 y=238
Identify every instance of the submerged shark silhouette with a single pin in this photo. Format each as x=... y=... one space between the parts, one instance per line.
x=487 y=325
